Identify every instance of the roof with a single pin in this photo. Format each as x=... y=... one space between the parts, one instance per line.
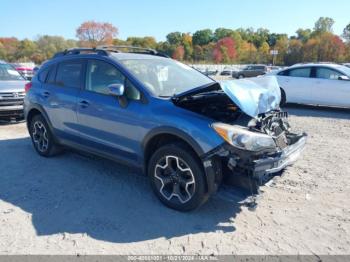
x=2 y=62
x=316 y=64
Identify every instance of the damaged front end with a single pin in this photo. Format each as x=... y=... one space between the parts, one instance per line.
x=258 y=143
x=252 y=168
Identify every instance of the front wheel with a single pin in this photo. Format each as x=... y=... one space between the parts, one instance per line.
x=240 y=76
x=177 y=177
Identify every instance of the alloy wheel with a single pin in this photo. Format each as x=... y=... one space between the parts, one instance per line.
x=174 y=179
x=40 y=137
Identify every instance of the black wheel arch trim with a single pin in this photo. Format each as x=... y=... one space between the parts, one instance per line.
x=42 y=112
x=166 y=130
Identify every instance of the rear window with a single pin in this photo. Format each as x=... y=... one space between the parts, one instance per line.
x=69 y=74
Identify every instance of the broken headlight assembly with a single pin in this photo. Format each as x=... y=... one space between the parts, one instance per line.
x=244 y=139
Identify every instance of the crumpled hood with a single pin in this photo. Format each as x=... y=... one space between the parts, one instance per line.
x=253 y=96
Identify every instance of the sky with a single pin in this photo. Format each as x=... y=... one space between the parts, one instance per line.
x=30 y=18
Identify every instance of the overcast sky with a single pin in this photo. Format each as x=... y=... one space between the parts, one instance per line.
x=27 y=19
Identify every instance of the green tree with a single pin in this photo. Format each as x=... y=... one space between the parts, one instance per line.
x=147 y=41
x=324 y=24
x=202 y=37
x=346 y=33
x=222 y=33
x=174 y=38
x=303 y=34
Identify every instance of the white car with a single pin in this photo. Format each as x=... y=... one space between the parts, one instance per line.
x=316 y=84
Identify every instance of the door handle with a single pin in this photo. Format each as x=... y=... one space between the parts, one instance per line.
x=46 y=94
x=84 y=104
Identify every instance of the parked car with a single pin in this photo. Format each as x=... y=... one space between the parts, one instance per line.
x=25 y=71
x=12 y=87
x=347 y=64
x=317 y=84
x=184 y=130
x=226 y=72
x=250 y=71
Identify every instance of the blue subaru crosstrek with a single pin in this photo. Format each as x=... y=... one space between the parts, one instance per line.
x=184 y=130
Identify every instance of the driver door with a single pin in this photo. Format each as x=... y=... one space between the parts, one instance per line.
x=106 y=125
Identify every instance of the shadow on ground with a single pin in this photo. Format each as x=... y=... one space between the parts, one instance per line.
x=78 y=194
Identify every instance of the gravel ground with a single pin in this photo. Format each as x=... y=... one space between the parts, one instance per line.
x=73 y=204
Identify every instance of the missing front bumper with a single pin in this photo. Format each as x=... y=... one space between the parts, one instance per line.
x=248 y=170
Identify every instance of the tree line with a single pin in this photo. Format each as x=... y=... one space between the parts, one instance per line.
x=223 y=45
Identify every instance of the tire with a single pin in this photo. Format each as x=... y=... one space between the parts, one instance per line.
x=283 y=98
x=177 y=177
x=240 y=76
x=42 y=138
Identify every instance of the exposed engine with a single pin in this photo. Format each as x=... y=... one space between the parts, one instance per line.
x=215 y=105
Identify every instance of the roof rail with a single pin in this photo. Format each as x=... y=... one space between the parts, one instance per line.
x=116 y=48
x=78 y=50
x=103 y=50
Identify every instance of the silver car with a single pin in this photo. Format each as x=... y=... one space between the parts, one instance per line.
x=12 y=92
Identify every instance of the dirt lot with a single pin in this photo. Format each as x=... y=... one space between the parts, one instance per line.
x=74 y=204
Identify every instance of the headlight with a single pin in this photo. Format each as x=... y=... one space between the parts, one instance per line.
x=244 y=139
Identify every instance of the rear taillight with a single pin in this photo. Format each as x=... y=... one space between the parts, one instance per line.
x=28 y=86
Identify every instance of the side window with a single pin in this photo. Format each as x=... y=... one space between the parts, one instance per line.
x=43 y=75
x=50 y=79
x=69 y=74
x=100 y=75
x=326 y=73
x=300 y=72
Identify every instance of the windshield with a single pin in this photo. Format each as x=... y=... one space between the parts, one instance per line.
x=8 y=73
x=346 y=70
x=165 y=77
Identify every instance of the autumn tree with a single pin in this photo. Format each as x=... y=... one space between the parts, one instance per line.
x=331 y=48
x=179 y=53
x=225 y=51
x=295 y=52
x=92 y=34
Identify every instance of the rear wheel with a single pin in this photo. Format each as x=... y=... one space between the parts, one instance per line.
x=42 y=138
x=177 y=177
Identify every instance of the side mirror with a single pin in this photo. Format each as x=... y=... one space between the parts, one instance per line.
x=346 y=78
x=116 y=90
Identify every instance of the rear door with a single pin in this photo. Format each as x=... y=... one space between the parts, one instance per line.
x=328 y=89
x=296 y=82
x=59 y=96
